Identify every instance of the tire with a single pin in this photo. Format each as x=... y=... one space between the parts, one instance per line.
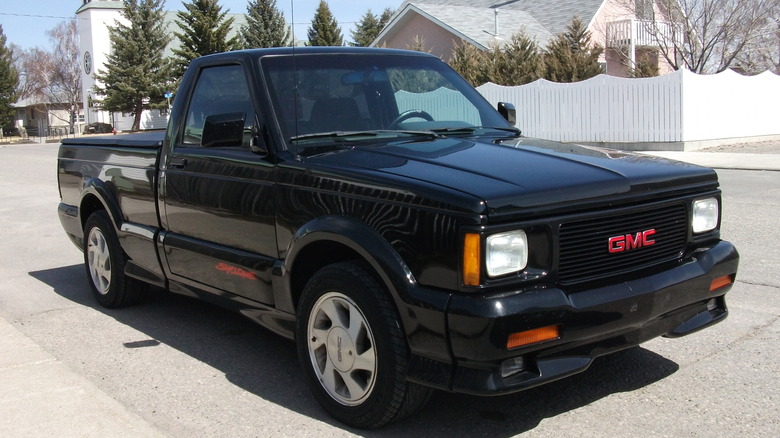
x=105 y=261
x=353 y=350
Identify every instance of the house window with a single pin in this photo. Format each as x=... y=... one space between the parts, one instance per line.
x=644 y=9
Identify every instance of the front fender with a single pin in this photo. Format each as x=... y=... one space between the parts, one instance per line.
x=420 y=309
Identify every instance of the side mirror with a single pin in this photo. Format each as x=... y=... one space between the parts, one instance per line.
x=223 y=130
x=508 y=111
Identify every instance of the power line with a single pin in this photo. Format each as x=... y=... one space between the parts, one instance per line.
x=34 y=16
x=73 y=18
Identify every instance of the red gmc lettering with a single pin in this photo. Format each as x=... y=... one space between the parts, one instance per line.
x=628 y=242
x=617 y=244
x=646 y=237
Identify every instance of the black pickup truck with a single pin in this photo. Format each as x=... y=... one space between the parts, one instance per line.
x=372 y=206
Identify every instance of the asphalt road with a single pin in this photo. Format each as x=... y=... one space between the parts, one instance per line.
x=189 y=369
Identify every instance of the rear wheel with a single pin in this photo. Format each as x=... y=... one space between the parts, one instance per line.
x=353 y=349
x=105 y=263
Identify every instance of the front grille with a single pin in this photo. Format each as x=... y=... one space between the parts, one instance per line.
x=584 y=243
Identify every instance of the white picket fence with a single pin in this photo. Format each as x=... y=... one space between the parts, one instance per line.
x=441 y=104
x=680 y=107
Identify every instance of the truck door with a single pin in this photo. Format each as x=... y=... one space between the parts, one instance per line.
x=216 y=193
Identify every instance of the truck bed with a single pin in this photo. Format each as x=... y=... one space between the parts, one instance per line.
x=115 y=173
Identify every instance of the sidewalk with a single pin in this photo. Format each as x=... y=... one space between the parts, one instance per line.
x=725 y=160
x=42 y=397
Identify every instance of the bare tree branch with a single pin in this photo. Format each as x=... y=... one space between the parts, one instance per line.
x=709 y=36
x=52 y=78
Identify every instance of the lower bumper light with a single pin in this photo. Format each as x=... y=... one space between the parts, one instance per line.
x=512 y=366
x=723 y=281
x=712 y=305
x=534 y=336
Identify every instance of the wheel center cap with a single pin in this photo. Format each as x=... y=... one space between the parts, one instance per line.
x=341 y=349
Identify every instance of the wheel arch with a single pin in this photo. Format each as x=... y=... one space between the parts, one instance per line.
x=329 y=240
x=97 y=196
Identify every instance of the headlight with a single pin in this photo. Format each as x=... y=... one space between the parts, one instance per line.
x=506 y=253
x=705 y=215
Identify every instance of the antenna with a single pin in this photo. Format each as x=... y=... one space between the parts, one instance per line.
x=295 y=69
x=292 y=21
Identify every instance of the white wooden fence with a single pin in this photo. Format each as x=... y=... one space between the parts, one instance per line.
x=441 y=104
x=680 y=107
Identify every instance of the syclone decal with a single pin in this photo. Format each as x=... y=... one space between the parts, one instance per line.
x=235 y=270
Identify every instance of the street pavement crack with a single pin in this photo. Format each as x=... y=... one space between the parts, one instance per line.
x=752 y=283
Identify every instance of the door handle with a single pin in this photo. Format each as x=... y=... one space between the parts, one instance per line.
x=177 y=163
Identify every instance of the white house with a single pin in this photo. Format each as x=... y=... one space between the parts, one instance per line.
x=94 y=19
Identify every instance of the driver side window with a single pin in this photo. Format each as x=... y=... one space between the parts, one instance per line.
x=221 y=90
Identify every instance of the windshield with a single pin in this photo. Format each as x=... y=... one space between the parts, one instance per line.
x=320 y=97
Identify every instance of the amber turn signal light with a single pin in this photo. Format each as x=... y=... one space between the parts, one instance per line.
x=534 y=336
x=472 y=245
x=720 y=282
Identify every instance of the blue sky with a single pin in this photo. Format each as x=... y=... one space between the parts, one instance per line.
x=25 y=22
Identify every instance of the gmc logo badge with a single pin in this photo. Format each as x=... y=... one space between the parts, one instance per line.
x=631 y=241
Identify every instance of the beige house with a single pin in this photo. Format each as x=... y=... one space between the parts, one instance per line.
x=45 y=117
x=622 y=27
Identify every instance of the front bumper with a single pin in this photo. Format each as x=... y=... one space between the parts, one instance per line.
x=592 y=322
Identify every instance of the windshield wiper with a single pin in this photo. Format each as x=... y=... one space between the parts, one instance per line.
x=472 y=129
x=352 y=135
x=511 y=129
x=334 y=134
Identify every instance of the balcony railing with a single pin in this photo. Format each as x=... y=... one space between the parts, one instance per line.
x=643 y=33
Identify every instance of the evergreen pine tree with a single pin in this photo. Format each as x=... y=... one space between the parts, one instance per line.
x=324 y=30
x=468 y=60
x=9 y=81
x=387 y=14
x=136 y=75
x=571 y=56
x=643 y=69
x=646 y=65
x=517 y=62
x=369 y=27
x=204 y=31
x=493 y=66
x=417 y=44
x=366 y=30
x=522 y=62
x=265 y=26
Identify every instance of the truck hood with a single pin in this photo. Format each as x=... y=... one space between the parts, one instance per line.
x=527 y=173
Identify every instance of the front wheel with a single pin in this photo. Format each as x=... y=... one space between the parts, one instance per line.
x=353 y=350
